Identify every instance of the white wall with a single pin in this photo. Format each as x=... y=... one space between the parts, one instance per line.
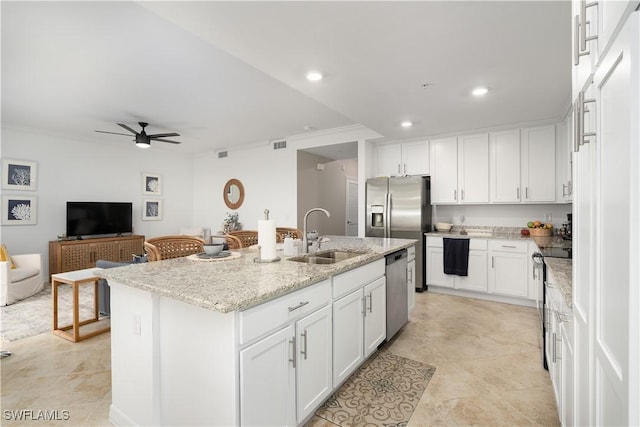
x=269 y=177
x=501 y=215
x=70 y=170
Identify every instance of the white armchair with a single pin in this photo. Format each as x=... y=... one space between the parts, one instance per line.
x=23 y=281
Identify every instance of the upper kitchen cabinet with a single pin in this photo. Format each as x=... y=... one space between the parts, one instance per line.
x=407 y=158
x=460 y=169
x=523 y=165
x=505 y=166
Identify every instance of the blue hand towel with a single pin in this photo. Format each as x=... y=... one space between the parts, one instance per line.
x=456 y=256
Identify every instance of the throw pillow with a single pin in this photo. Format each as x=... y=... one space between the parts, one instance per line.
x=4 y=256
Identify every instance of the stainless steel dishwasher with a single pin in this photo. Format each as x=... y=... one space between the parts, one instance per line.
x=397 y=297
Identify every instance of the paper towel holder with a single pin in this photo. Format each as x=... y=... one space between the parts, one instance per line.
x=233 y=193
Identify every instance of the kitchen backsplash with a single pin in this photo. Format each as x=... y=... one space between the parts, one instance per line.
x=501 y=215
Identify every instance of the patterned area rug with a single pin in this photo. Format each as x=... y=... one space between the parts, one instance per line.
x=384 y=391
x=34 y=315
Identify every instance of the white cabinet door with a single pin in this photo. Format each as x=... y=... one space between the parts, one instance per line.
x=415 y=158
x=566 y=372
x=504 y=166
x=267 y=381
x=314 y=361
x=389 y=160
x=411 y=284
x=444 y=160
x=348 y=335
x=538 y=167
x=614 y=338
x=375 y=319
x=508 y=274
x=476 y=280
x=473 y=168
x=435 y=269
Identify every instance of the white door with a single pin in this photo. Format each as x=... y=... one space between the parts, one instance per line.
x=615 y=337
x=314 y=365
x=267 y=381
x=351 y=226
x=347 y=335
x=375 y=325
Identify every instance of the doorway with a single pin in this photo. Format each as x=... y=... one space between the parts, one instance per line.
x=351 y=203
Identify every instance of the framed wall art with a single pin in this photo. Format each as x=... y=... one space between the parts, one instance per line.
x=151 y=184
x=151 y=209
x=19 y=175
x=19 y=210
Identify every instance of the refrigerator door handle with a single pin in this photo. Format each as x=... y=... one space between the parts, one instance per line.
x=387 y=211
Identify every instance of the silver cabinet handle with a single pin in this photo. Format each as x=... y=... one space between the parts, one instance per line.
x=399 y=169
x=304 y=351
x=455 y=194
x=508 y=246
x=493 y=263
x=370 y=302
x=518 y=193
x=405 y=168
x=364 y=306
x=462 y=194
x=564 y=190
x=292 y=341
x=526 y=193
x=554 y=347
x=302 y=304
x=583 y=25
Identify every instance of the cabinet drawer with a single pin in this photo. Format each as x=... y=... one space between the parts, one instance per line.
x=508 y=246
x=266 y=317
x=474 y=244
x=356 y=278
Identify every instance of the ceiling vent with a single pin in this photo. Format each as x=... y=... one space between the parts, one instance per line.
x=279 y=144
x=223 y=154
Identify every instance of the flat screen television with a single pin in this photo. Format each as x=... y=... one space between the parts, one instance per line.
x=99 y=218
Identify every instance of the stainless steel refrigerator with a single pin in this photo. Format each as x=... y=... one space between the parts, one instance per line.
x=400 y=207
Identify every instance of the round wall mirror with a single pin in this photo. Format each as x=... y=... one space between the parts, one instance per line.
x=233 y=194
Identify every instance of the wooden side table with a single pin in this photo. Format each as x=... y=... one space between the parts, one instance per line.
x=75 y=279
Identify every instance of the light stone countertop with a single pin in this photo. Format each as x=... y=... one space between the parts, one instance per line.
x=559 y=274
x=241 y=283
x=558 y=268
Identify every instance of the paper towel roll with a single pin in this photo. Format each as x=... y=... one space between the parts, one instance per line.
x=267 y=239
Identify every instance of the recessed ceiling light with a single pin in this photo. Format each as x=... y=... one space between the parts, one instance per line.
x=479 y=91
x=406 y=124
x=314 y=76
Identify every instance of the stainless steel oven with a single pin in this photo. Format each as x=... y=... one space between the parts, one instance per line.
x=540 y=276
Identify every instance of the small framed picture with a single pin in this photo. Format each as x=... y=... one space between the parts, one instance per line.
x=151 y=209
x=19 y=175
x=151 y=184
x=19 y=210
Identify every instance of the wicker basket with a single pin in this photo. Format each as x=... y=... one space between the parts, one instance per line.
x=541 y=232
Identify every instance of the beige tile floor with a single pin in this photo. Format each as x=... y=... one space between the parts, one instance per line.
x=486 y=354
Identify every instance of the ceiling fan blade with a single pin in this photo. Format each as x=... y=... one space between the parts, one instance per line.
x=166 y=140
x=114 y=133
x=162 y=135
x=128 y=128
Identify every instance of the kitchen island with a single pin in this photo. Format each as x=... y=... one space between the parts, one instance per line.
x=193 y=341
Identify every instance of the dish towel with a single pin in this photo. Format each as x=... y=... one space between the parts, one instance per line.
x=456 y=256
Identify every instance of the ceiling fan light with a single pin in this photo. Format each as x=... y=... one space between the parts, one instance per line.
x=143 y=144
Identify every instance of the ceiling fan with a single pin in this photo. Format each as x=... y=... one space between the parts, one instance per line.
x=142 y=139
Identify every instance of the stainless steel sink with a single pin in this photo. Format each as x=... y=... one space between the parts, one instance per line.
x=326 y=257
